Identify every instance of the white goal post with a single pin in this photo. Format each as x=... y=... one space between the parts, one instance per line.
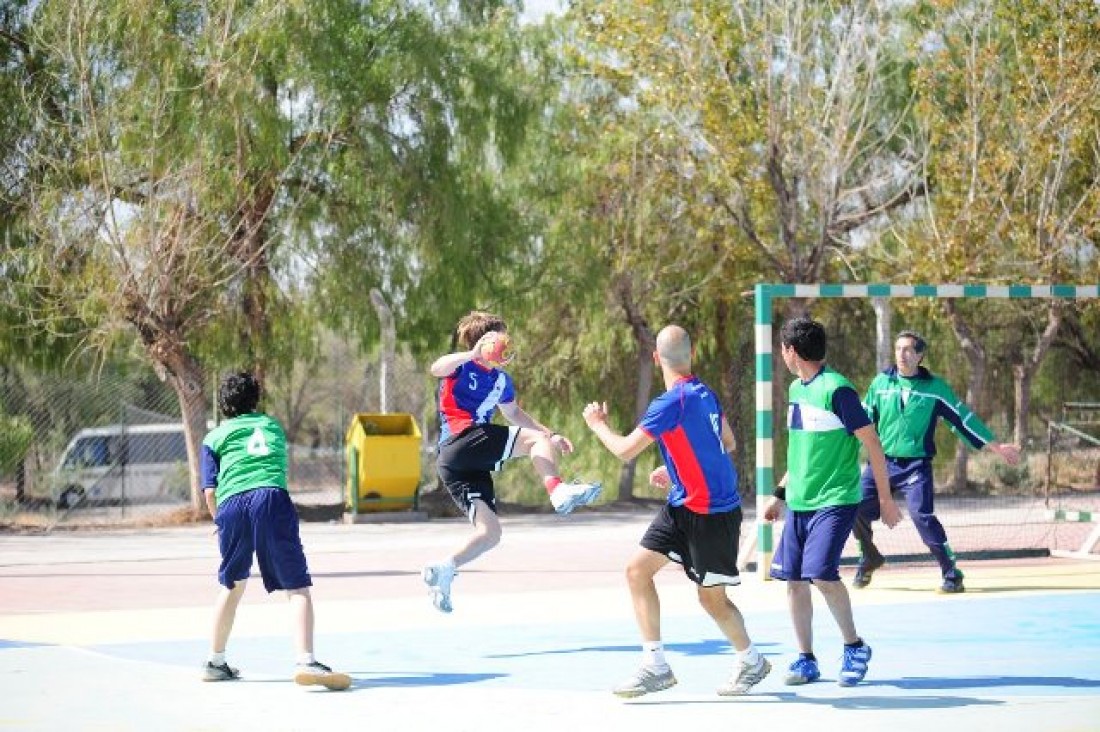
x=761 y=540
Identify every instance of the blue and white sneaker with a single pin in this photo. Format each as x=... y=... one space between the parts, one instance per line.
x=438 y=578
x=803 y=671
x=854 y=666
x=567 y=496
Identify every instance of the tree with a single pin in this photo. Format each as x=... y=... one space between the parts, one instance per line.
x=202 y=146
x=724 y=146
x=1007 y=99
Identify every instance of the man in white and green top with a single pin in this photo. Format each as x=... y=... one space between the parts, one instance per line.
x=906 y=402
x=243 y=471
x=826 y=425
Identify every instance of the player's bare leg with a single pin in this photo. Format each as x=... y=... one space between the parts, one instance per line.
x=309 y=671
x=486 y=535
x=225 y=613
x=654 y=674
x=751 y=667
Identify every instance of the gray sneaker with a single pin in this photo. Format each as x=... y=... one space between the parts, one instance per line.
x=220 y=672
x=646 y=681
x=745 y=677
x=438 y=578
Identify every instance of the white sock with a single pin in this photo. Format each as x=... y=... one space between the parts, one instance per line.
x=217 y=659
x=749 y=656
x=304 y=659
x=653 y=654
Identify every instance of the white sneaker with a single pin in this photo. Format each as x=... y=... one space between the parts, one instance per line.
x=745 y=676
x=438 y=577
x=647 y=680
x=567 y=496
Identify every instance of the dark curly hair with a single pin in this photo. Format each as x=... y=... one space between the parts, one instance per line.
x=807 y=337
x=238 y=394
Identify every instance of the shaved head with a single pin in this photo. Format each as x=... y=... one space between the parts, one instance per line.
x=674 y=348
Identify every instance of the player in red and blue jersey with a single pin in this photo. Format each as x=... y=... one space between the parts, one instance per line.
x=700 y=524
x=471 y=447
x=470 y=395
x=684 y=422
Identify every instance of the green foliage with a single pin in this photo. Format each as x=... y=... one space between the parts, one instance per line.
x=16 y=434
x=220 y=178
x=1012 y=477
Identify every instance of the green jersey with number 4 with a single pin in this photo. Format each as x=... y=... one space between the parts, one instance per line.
x=251 y=453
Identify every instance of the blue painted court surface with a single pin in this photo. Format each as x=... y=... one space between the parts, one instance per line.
x=1019 y=651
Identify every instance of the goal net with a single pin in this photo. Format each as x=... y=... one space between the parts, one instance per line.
x=1002 y=511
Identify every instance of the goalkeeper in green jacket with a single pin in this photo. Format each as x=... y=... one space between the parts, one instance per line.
x=905 y=402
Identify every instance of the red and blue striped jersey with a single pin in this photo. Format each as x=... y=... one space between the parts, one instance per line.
x=469 y=396
x=686 y=423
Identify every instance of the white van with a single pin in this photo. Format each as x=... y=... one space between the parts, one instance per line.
x=123 y=464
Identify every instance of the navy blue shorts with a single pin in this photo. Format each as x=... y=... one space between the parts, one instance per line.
x=263 y=522
x=812 y=543
x=467 y=461
x=705 y=544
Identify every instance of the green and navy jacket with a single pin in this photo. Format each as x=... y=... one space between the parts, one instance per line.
x=908 y=430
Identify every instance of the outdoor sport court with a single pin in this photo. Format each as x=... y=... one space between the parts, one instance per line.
x=107 y=631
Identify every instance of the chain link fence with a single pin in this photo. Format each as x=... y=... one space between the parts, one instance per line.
x=108 y=447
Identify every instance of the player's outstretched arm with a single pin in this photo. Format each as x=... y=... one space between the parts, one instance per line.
x=624 y=447
x=515 y=414
x=1009 y=453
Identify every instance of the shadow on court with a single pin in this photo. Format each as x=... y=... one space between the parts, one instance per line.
x=847 y=702
x=989 y=682
x=419 y=678
x=713 y=647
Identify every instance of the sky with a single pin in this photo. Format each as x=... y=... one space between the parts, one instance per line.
x=534 y=10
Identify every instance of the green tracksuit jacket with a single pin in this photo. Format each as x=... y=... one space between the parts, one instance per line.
x=907 y=427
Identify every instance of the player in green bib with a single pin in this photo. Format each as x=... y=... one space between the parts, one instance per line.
x=826 y=426
x=243 y=471
x=906 y=402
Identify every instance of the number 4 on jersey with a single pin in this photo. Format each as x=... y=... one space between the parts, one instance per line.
x=257 y=445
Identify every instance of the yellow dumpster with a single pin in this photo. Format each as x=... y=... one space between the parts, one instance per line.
x=383 y=463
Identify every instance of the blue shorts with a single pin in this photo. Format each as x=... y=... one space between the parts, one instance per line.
x=263 y=522
x=812 y=543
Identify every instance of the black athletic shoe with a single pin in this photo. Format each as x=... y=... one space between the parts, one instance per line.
x=220 y=672
x=865 y=570
x=951 y=586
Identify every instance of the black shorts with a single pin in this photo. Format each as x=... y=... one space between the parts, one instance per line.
x=704 y=543
x=466 y=463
